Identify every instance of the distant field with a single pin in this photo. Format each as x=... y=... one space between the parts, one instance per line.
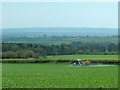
x=58 y=75
x=73 y=57
x=85 y=57
x=59 y=40
x=17 y=59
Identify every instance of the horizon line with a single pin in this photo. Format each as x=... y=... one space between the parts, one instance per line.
x=58 y=27
x=59 y=0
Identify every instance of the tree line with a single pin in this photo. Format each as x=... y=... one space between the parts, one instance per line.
x=27 y=50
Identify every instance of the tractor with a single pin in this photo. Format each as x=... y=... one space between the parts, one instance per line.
x=80 y=62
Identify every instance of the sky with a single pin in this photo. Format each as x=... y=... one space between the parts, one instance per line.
x=59 y=0
x=59 y=14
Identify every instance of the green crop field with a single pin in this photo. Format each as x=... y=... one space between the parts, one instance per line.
x=85 y=57
x=18 y=59
x=72 y=57
x=58 y=75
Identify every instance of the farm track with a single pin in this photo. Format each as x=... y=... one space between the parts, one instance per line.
x=57 y=61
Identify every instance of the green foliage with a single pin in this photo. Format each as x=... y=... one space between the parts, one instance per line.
x=24 y=50
x=58 y=75
x=9 y=54
x=29 y=54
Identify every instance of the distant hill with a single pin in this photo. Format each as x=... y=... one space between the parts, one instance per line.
x=18 y=32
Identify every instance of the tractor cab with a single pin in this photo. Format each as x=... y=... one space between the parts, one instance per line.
x=78 y=62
